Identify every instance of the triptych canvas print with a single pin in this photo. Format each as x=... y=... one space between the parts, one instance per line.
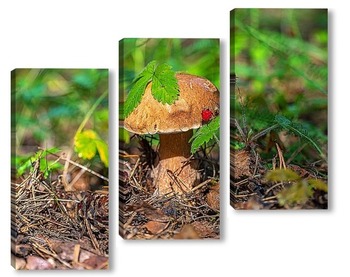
x=170 y=159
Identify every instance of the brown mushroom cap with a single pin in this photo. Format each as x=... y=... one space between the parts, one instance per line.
x=151 y=116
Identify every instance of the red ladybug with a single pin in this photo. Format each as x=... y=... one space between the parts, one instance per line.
x=207 y=115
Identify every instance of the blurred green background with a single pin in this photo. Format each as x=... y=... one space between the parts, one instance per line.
x=49 y=105
x=280 y=58
x=195 y=56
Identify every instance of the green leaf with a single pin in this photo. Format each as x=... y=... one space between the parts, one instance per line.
x=282 y=175
x=124 y=135
x=43 y=153
x=24 y=164
x=48 y=166
x=102 y=149
x=54 y=165
x=298 y=130
x=165 y=88
x=205 y=134
x=88 y=143
x=283 y=121
x=138 y=88
x=85 y=144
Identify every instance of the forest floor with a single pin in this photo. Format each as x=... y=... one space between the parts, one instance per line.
x=52 y=228
x=289 y=186
x=146 y=215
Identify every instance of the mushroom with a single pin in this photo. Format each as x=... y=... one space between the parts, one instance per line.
x=174 y=171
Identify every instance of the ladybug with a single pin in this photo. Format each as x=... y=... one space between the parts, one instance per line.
x=207 y=115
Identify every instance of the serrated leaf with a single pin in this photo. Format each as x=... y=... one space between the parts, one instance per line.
x=165 y=88
x=24 y=164
x=138 y=88
x=43 y=153
x=85 y=144
x=298 y=130
x=283 y=121
x=205 y=134
x=47 y=166
x=318 y=184
x=102 y=149
x=21 y=169
x=282 y=175
x=54 y=165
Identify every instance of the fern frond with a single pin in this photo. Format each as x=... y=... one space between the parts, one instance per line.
x=298 y=130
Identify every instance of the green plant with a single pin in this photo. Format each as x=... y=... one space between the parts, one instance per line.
x=48 y=105
x=299 y=130
x=37 y=161
x=88 y=143
x=280 y=59
x=205 y=134
x=267 y=122
x=164 y=86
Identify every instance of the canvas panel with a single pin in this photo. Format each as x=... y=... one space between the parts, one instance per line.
x=169 y=176
x=59 y=169
x=279 y=109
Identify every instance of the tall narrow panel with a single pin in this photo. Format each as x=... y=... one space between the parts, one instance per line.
x=59 y=169
x=279 y=104
x=169 y=138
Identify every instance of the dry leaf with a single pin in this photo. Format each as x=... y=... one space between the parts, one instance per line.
x=253 y=203
x=241 y=164
x=97 y=262
x=213 y=197
x=187 y=232
x=35 y=262
x=149 y=211
x=203 y=229
x=155 y=227
x=20 y=263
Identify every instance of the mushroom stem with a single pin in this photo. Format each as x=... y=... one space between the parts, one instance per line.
x=175 y=145
x=174 y=172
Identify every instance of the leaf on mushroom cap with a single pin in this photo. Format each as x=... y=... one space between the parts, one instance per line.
x=138 y=88
x=151 y=116
x=165 y=88
x=164 y=84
